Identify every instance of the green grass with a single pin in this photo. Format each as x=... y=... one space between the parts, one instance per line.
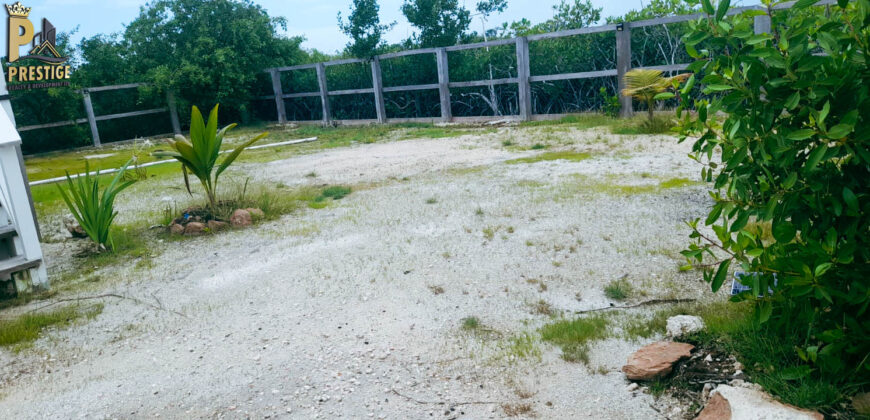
x=22 y=331
x=639 y=125
x=575 y=336
x=336 y=192
x=538 y=146
x=618 y=289
x=470 y=323
x=581 y=121
x=551 y=156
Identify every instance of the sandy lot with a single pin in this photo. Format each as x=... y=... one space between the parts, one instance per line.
x=355 y=310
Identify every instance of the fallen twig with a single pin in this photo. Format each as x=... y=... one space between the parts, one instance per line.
x=107 y=295
x=443 y=402
x=637 y=305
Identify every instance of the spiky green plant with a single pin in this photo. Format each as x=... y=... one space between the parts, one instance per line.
x=92 y=208
x=649 y=86
x=199 y=154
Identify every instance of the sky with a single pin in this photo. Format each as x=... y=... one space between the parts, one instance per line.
x=314 y=19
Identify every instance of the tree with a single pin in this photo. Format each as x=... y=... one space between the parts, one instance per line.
x=441 y=22
x=649 y=85
x=579 y=14
x=364 y=29
x=207 y=51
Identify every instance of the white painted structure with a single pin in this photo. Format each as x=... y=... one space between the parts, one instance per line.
x=20 y=252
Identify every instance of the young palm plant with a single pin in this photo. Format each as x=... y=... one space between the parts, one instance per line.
x=93 y=209
x=650 y=85
x=199 y=155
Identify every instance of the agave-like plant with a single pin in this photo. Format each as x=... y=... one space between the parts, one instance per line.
x=650 y=85
x=93 y=209
x=199 y=154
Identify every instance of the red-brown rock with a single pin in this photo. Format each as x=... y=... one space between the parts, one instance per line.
x=176 y=229
x=194 y=228
x=241 y=218
x=216 y=225
x=717 y=408
x=655 y=360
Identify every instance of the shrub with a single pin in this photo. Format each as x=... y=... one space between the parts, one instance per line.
x=92 y=208
x=794 y=153
x=610 y=103
x=199 y=155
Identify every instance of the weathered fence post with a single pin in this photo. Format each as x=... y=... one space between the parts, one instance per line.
x=324 y=93
x=523 y=74
x=279 y=95
x=173 y=112
x=623 y=65
x=762 y=24
x=378 y=87
x=444 y=84
x=92 y=119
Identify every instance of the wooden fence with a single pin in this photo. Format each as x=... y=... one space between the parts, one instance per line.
x=523 y=80
x=92 y=119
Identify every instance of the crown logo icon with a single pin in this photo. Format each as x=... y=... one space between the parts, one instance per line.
x=17 y=10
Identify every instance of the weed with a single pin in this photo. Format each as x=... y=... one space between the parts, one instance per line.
x=575 y=336
x=479 y=211
x=516 y=410
x=507 y=143
x=470 y=323
x=436 y=290
x=431 y=200
x=542 y=307
x=311 y=174
x=335 y=192
x=538 y=146
x=25 y=329
x=489 y=232
x=551 y=156
x=619 y=289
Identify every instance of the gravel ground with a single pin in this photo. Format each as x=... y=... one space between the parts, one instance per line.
x=355 y=310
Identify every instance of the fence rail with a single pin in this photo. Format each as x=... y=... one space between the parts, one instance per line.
x=523 y=80
x=92 y=118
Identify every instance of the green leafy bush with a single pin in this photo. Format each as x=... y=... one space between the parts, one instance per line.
x=199 y=154
x=92 y=208
x=610 y=103
x=794 y=153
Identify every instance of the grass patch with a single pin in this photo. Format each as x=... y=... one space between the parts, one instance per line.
x=658 y=125
x=575 y=336
x=550 y=156
x=618 y=289
x=25 y=329
x=576 y=121
x=538 y=146
x=471 y=323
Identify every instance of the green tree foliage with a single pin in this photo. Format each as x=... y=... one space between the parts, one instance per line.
x=199 y=155
x=364 y=28
x=440 y=23
x=793 y=153
x=207 y=51
x=92 y=208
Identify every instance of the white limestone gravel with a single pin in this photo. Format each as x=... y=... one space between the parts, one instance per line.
x=331 y=313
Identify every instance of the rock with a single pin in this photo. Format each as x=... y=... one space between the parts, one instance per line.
x=256 y=214
x=655 y=360
x=194 y=228
x=709 y=358
x=632 y=387
x=717 y=408
x=861 y=402
x=681 y=325
x=241 y=218
x=217 y=226
x=176 y=229
x=74 y=228
x=738 y=403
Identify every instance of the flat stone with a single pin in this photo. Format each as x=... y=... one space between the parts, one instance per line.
x=717 y=408
x=176 y=229
x=241 y=218
x=194 y=228
x=216 y=226
x=681 y=325
x=655 y=360
x=861 y=402
x=743 y=403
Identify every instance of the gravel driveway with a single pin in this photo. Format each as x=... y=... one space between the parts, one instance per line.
x=356 y=310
